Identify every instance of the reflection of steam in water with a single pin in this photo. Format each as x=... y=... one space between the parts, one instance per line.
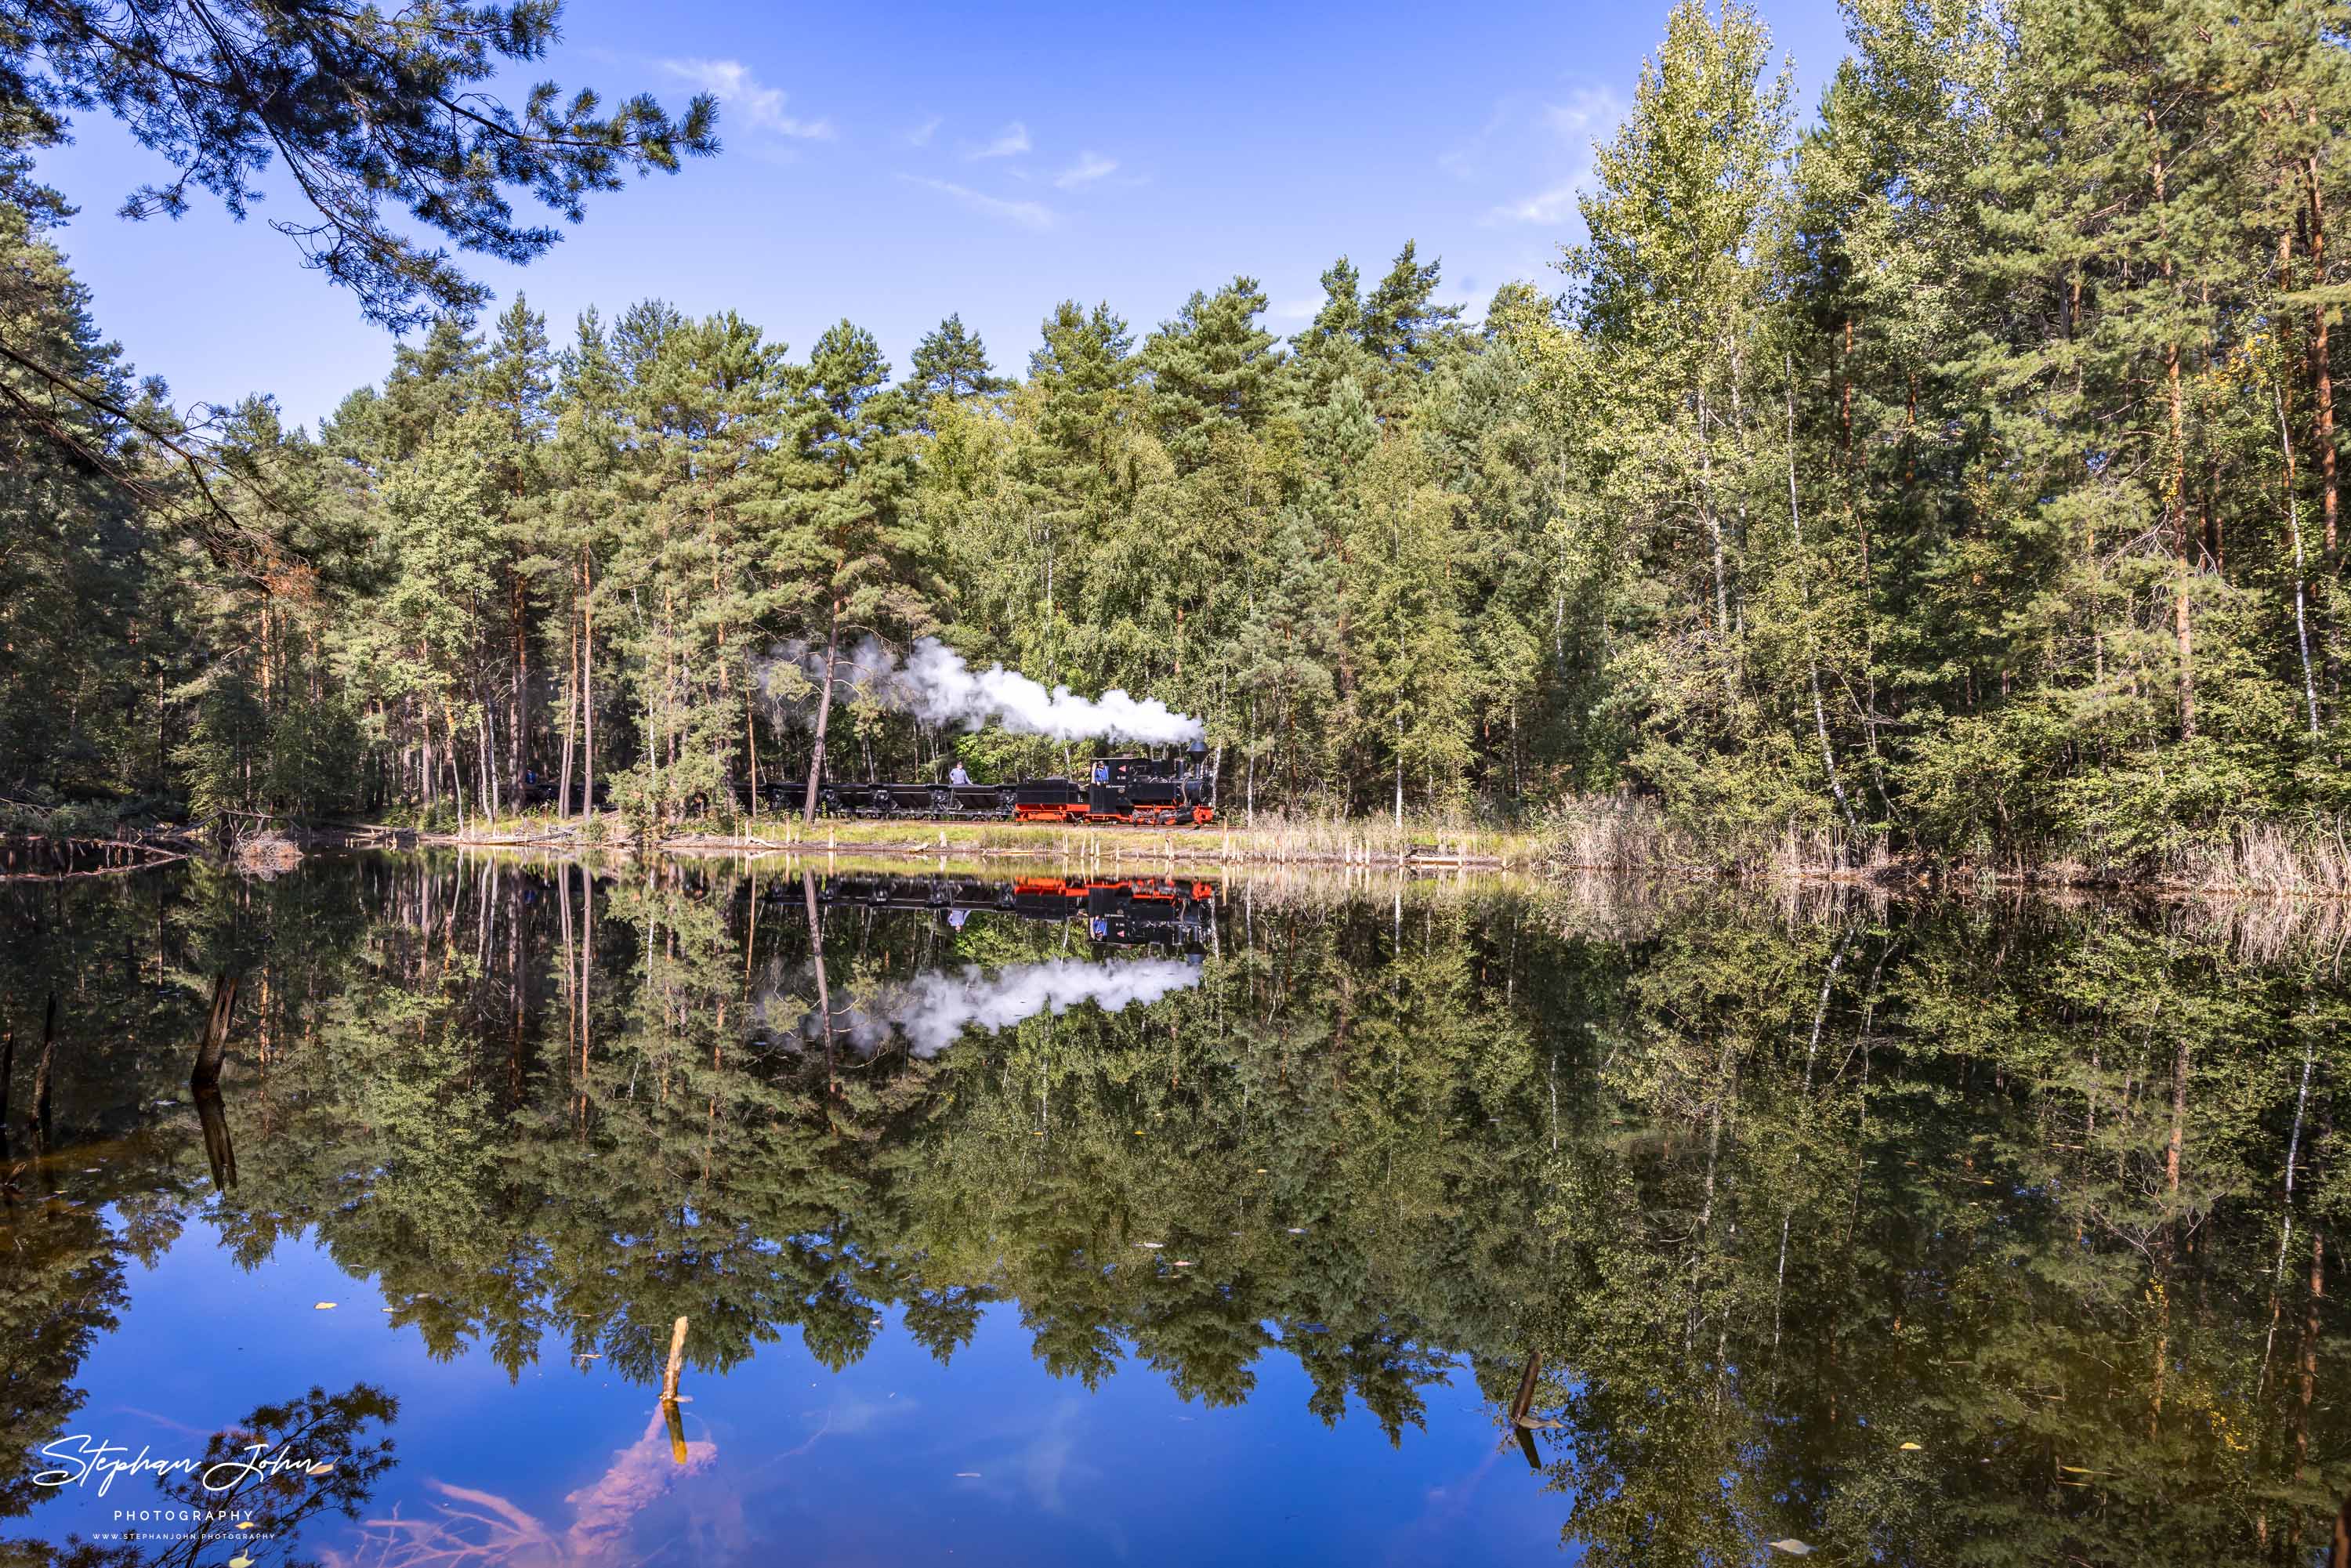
x=932 y=1011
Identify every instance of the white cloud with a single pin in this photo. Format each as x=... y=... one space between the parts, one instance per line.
x=1089 y=167
x=1026 y=215
x=732 y=83
x=1296 y=310
x=1589 y=112
x=1008 y=142
x=1552 y=140
x=1551 y=206
x=920 y=136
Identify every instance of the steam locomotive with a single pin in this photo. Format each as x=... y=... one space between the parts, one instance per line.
x=1154 y=791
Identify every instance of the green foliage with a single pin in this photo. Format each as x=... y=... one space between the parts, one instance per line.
x=1957 y=477
x=364 y=110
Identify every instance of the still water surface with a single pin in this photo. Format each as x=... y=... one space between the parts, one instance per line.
x=1173 y=1220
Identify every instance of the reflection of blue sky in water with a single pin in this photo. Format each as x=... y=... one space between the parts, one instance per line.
x=932 y=1011
x=896 y=1458
x=472 y=1523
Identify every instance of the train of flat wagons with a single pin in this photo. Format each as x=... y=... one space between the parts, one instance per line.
x=1139 y=791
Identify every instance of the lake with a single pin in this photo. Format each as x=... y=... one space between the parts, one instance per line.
x=1161 y=1217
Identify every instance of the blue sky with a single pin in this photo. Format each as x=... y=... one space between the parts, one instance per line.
x=891 y=164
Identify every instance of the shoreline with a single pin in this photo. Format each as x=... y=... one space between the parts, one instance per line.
x=1335 y=845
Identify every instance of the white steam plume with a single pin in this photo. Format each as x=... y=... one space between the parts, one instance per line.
x=935 y=683
x=933 y=1009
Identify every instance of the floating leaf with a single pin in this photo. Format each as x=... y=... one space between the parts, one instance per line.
x=1909 y=1448
x=1792 y=1547
x=322 y=1307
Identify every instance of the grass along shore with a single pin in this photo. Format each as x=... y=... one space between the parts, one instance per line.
x=1273 y=841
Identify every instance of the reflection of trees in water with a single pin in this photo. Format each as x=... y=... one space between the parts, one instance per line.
x=1775 y=1193
x=252 y=1489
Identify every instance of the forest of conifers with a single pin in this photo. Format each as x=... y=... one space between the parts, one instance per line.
x=1954 y=469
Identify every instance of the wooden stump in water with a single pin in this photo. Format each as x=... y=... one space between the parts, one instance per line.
x=220 y=1154
x=213 y=1045
x=670 y=1414
x=1526 y=1395
x=1519 y=1406
x=676 y=1362
x=204 y=1083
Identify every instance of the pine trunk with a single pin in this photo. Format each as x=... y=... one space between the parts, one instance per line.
x=2182 y=627
x=518 y=740
x=2322 y=368
x=570 y=726
x=587 y=687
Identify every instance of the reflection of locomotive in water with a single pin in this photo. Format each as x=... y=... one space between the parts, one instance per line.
x=1156 y=791
x=1119 y=911
x=1151 y=939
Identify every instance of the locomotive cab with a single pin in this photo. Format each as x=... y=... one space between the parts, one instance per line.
x=1150 y=789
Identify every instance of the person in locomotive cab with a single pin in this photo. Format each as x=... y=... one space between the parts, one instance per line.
x=1102 y=772
x=957 y=775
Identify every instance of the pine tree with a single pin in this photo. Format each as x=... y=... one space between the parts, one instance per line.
x=952 y=362
x=1211 y=367
x=1331 y=348
x=585 y=462
x=705 y=409
x=1401 y=323
x=515 y=384
x=851 y=553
